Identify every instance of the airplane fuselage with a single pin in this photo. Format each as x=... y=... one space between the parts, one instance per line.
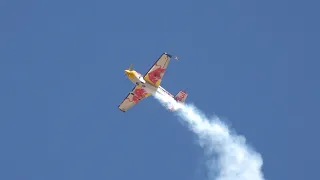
x=137 y=79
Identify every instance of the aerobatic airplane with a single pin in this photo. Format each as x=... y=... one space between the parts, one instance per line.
x=149 y=83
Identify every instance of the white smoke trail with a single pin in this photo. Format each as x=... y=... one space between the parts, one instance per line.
x=230 y=158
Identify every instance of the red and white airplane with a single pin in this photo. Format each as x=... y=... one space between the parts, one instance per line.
x=149 y=84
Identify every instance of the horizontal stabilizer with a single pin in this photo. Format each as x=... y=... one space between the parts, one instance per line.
x=181 y=96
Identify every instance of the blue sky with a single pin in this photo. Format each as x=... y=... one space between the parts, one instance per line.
x=253 y=63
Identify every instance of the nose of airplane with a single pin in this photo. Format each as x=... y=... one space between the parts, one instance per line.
x=127 y=72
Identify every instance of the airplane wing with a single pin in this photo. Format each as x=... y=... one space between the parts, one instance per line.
x=155 y=74
x=135 y=96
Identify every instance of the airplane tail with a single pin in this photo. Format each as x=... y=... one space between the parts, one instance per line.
x=181 y=96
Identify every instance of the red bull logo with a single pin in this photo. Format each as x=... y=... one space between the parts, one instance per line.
x=139 y=93
x=155 y=75
x=135 y=99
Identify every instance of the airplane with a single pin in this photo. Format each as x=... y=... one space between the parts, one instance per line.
x=149 y=83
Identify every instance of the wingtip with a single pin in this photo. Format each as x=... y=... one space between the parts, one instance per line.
x=121 y=109
x=168 y=55
x=175 y=57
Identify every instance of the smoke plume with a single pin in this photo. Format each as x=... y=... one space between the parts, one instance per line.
x=228 y=155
